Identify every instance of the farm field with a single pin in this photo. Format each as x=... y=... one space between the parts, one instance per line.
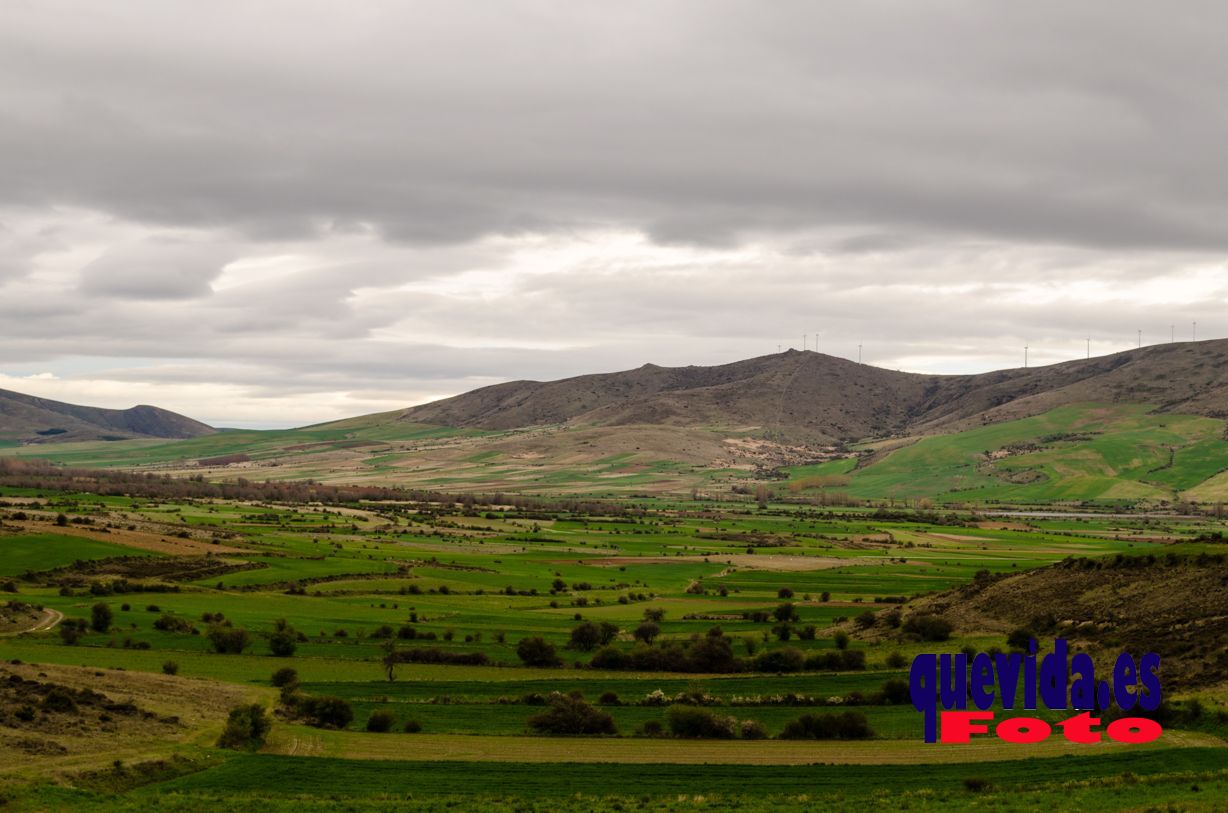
x=415 y=613
x=1123 y=455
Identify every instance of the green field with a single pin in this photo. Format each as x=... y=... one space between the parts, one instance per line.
x=358 y=579
x=1118 y=454
x=20 y=553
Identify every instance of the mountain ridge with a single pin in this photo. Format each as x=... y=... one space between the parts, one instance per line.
x=804 y=396
x=29 y=419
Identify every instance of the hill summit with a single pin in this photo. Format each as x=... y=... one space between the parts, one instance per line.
x=28 y=419
x=809 y=397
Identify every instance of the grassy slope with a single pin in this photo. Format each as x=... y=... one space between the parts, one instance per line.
x=1086 y=452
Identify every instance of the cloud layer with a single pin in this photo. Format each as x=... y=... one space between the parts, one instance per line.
x=266 y=213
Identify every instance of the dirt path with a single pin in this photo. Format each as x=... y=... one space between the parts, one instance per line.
x=48 y=621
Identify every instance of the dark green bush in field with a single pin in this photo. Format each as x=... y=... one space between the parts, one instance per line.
x=412 y=726
x=712 y=652
x=101 y=617
x=590 y=635
x=170 y=668
x=896 y=660
x=896 y=692
x=537 y=651
x=228 y=640
x=285 y=676
x=694 y=721
x=283 y=642
x=436 y=655
x=753 y=730
x=170 y=623
x=246 y=728
x=647 y=632
x=325 y=711
x=73 y=630
x=380 y=722
x=780 y=660
x=928 y=627
x=836 y=661
x=847 y=725
x=572 y=715
x=1020 y=639
x=785 y=613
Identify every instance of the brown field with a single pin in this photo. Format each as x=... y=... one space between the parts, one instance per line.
x=463 y=747
x=140 y=539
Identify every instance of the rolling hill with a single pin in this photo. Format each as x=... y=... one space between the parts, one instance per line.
x=1144 y=426
x=807 y=397
x=25 y=419
x=1170 y=604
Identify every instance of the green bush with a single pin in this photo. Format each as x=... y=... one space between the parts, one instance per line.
x=228 y=640
x=380 y=722
x=694 y=721
x=847 y=725
x=325 y=711
x=246 y=729
x=928 y=627
x=537 y=651
x=572 y=715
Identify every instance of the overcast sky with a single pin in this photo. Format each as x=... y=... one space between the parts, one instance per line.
x=270 y=214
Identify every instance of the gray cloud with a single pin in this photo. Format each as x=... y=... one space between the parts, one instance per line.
x=345 y=203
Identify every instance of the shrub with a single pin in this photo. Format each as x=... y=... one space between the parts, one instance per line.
x=247 y=727
x=847 y=725
x=169 y=623
x=285 y=676
x=537 y=651
x=928 y=627
x=590 y=635
x=976 y=784
x=841 y=639
x=780 y=660
x=101 y=617
x=170 y=668
x=785 y=613
x=59 y=701
x=1020 y=639
x=436 y=655
x=695 y=721
x=896 y=692
x=380 y=722
x=865 y=620
x=73 y=630
x=228 y=640
x=837 y=661
x=412 y=726
x=325 y=711
x=572 y=715
x=753 y=730
x=282 y=644
x=647 y=632
x=896 y=660
x=609 y=699
x=651 y=728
